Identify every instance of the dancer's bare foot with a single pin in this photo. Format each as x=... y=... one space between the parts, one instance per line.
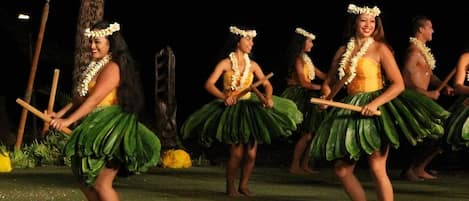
x=433 y=172
x=310 y=170
x=297 y=170
x=410 y=175
x=425 y=175
x=246 y=192
x=233 y=193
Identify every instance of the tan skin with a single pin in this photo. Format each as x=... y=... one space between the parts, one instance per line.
x=419 y=76
x=461 y=74
x=300 y=162
x=379 y=52
x=240 y=154
x=107 y=80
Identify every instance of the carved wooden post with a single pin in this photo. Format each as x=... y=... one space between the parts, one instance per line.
x=165 y=98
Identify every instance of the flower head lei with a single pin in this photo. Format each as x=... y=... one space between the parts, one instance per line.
x=243 y=33
x=309 y=65
x=305 y=33
x=353 y=61
x=103 y=32
x=352 y=8
x=93 y=68
x=426 y=52
x=237 y=73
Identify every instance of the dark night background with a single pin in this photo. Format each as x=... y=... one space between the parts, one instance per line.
x=196 y=31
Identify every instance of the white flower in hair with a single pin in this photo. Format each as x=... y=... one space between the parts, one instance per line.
x=305 y=33
x=103 y=32
x=243 y=33
x=352 y=8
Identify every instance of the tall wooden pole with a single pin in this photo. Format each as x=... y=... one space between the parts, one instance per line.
x=32 y=75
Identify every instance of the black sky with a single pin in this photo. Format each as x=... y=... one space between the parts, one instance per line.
x=196 y=31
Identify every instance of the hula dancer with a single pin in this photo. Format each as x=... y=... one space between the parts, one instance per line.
x=109 y=137
x=240 y=119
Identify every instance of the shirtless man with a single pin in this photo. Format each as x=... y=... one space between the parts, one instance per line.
x=418 y=75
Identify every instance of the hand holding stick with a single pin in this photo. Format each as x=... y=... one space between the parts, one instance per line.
x=38 y=113
x=341 y=105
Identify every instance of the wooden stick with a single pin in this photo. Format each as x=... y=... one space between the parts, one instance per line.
x=32 y=75
x=38 y=113
x=341 y=105
x=336 y=88
x=50 y=107
x=259 y=94
x=256 y=84
x=446 y=80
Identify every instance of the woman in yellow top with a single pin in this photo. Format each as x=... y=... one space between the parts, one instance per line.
x=345 y=135
x=109 y=137
x=240 y=120
x=374 y=82
x=301 y=88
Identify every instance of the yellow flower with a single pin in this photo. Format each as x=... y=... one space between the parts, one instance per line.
x=5 y=163
x=176 y=159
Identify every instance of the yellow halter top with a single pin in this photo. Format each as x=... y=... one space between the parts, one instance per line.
x=110 y=99
x=368 y=77
x=295 y=80
x=227 y=84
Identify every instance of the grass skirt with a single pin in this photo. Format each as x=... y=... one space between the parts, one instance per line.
x=112 y=138
x=346 y=133
x=457 y=128
x=245 y=122
x=312 y=116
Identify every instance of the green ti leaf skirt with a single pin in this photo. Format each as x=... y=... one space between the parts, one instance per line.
x=110 y=137
x=245 y=122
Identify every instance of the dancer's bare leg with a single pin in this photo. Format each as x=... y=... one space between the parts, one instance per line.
x=236 y=153
x=249 y=163
x=420 y=169
x=103 y=185
x=377 y=162
x=297 y=165
x=306 y=158
x=353 y=187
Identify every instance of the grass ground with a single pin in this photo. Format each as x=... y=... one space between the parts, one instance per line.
x=207 y=184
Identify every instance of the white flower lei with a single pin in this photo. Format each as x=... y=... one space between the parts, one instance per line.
x=310 y=66
x=89 y=73
x=234 y=67
x=353 y=61
x=102 y=32
x=426 y=52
